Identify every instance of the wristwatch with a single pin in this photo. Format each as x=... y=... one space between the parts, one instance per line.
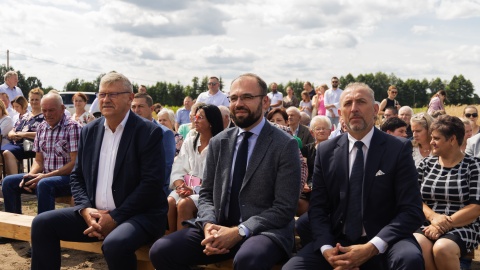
x=241 y=231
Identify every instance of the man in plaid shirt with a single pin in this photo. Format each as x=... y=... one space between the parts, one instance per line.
x=56 y=146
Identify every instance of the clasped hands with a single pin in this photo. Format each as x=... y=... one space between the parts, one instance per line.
x=30 y=181
x=350 y=257
x=99 y=222
x=439 y=225
x=219 y=239
x=183 y=190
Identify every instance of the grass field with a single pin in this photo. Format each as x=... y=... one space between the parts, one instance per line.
x=451 y=110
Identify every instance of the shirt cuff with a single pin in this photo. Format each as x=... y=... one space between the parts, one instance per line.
x=325 y=247
x=246 y=230
x=379 y=244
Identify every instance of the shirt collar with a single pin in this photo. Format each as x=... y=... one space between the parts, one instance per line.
x=366 y=140
x=255 y=130
x=121 y=125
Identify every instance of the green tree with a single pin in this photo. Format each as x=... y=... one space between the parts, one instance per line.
x=33 y=82
x=460 y=90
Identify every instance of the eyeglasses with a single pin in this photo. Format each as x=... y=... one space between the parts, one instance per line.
x=393 y=92
x=334 y=81
x=198 y=117
x=320 y=129
x=474 y=115
x=212 y=83
x=112 y=95
x=244 y=97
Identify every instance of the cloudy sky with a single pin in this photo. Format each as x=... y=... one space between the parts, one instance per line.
x=280 y=40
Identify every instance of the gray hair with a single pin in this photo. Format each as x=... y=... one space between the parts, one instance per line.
x=408 y=108
x=54 y=96
x=9 y=74
x=169 y=113
x=358 y=85
x=319 y=119
x=114 y=77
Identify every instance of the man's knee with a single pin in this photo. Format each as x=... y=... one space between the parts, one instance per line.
x=11 y=181
x=407 y=257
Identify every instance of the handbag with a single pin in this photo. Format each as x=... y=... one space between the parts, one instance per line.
x=27 y=145
x=192 y=181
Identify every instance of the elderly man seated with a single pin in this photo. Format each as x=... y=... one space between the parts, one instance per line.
x=56 y=145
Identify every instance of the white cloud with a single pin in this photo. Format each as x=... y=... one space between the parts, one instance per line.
x=464 y=55
x=456 y=9
x=421 y=29
x=329 y=39
x=216 y=54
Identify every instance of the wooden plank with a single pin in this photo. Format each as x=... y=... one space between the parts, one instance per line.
x=16 y=226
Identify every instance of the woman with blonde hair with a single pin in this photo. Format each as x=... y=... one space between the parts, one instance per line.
x=24 y=130
x=318 y=105
x=420 y=124
x=6 y=123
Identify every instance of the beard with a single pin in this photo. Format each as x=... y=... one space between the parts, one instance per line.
x=357 y=126
x=250 y=119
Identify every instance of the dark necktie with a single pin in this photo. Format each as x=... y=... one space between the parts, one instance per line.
x=353 y=223
x=237 y=180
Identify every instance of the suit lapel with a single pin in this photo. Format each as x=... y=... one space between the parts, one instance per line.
x=374 y=157
x=227 y=148
x=124 y=143
x=99 y=131
x=341 y=162
x=261 y=146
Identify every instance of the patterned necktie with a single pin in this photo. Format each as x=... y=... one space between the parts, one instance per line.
x=237 y=180
x=353 y=223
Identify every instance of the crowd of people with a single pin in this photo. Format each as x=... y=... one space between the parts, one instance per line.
x=374 y=185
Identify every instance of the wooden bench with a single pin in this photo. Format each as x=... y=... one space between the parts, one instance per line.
x=15 y=226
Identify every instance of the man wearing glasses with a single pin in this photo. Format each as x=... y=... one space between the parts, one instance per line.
x=248 y=196
x=116 y=184
x=213 y=95
x=332 y=100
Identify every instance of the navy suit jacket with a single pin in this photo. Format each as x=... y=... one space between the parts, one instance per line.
x=138 y=174
x=392 y=202
x=170 y=148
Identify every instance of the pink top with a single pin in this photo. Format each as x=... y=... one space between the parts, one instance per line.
x=321 y=106
x=435 y=104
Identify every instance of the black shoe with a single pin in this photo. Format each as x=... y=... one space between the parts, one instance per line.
x=29 y=253
x=4 y=240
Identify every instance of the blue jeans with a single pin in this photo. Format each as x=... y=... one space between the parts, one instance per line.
x=46 y=191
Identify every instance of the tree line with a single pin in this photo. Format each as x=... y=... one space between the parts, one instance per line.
x=411 y=92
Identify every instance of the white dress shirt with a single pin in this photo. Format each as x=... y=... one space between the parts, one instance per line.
x=380 y=244
x=108 y=156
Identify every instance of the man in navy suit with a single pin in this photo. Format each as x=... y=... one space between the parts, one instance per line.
x=389 y=203
x=116 y=184
x=142 y=105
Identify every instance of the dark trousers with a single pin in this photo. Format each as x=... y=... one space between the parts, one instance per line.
x=303 y=229
x=66 y=224
x=182 y=249
x=405 y=254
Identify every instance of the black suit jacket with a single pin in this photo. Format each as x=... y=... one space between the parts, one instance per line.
x=392 y=202
x=138 y=174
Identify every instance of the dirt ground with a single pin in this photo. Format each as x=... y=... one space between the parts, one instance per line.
x=12 y=255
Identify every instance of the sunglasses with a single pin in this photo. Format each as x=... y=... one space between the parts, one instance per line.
x=212 y=83
x=393 y=92
x=474 y=115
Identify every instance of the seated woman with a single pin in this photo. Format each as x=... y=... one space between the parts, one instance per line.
x=81 y=115
x=450 y=185
x=6 y=123
x=25 y=128
x=280 y=117
x=320 y=127
x=190 y=162
x=166 y=117
x=420 y=124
